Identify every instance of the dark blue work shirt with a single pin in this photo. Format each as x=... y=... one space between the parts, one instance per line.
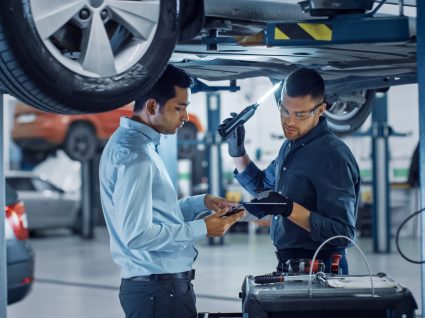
x=319 y=172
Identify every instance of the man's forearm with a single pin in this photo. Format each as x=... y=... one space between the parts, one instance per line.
x=241 y=162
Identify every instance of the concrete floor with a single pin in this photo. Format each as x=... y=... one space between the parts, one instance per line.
x=77 y=278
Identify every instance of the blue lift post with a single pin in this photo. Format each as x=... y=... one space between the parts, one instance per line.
x=379 y=132
x=87 y=197
x=3 y=260
x=213 y=151
x=215 y=168
x=381 y=190
x=420 y=27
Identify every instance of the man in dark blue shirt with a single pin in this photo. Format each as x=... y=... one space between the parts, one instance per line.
x=315 y=175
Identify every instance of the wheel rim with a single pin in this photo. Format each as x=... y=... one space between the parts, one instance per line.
x=81 y=146
x=96 y=38
x=346 y=106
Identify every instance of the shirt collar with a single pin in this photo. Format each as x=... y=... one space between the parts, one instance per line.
x=318 y=130
x=146 y=130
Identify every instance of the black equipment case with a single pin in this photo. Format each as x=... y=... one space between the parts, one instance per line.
x=294 y=298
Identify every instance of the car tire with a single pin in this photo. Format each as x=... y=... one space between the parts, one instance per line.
x=32 y=73
x=80 y=142
x=347 y=112
x=186 y=135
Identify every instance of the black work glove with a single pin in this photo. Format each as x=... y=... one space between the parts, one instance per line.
x=235 y=141
x=283 y=205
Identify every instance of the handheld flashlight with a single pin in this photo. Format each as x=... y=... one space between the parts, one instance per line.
x=246 y=114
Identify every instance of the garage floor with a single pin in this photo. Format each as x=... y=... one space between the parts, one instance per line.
x=77 y=278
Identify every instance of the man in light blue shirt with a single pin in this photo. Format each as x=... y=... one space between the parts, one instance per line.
x=152 y=233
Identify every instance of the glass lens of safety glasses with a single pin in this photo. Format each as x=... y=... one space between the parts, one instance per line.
x=285 y=113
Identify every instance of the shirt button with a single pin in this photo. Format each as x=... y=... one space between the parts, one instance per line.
x=276 y=217
x=171 y=295
x=284 y=169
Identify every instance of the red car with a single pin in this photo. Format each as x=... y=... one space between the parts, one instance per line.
x=38 y=133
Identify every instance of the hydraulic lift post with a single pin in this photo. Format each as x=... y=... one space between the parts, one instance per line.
x=87 y=196
x=215 y=171
x=420 y=27
x=381 y=190
x=213 y=152
x=3 y=260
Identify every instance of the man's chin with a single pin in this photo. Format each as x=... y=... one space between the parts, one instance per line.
x=290 y=135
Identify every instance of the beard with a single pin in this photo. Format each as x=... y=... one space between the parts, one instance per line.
x=291 y=133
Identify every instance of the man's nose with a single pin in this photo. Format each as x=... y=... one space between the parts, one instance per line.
x=185 y=115
x=289 y=119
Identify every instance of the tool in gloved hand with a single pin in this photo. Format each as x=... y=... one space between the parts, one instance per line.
x=271 y=202
x=228 y=127
x=236 y=139
x=239 y=207
x=234 y=210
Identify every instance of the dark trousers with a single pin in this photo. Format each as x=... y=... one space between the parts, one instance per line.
x=325 y=256
x=158 y=299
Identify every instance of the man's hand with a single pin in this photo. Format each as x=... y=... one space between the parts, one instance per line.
x=218 y=226
x=273 y=203
x=236 y=139
x=216 y=203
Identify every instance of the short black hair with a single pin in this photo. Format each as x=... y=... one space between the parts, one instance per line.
x=164 y=88
x=303 y=82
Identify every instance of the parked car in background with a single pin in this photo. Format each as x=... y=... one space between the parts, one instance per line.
x=20 y=256
x=47 y=205
x=38 y=133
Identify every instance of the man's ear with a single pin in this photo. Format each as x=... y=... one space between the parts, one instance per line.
x=322 y=108
x=151 y=105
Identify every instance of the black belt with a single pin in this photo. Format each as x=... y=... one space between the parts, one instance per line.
x=298 y=253
x=189 y=275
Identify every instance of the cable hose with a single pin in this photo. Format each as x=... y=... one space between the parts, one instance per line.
x=397 y=236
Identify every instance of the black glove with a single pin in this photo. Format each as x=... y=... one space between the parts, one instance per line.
x=283 y=205
x=235 y=141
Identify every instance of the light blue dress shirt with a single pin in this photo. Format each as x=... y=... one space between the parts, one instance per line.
x=151 y=231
